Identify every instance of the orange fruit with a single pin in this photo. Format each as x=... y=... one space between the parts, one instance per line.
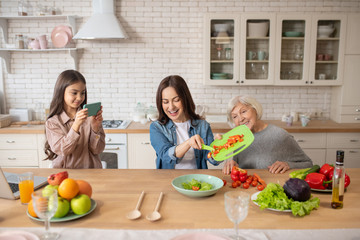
x=84 y=187
x=31 y=209
x=68 y=188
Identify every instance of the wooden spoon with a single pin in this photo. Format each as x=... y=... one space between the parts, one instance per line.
x=155 y=215
x=135 y=214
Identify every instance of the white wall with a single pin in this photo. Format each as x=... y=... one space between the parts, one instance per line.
x=165 y=38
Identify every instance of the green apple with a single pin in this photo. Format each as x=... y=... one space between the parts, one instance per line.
x=62 y=208
x=80 y=204
x=48 y=190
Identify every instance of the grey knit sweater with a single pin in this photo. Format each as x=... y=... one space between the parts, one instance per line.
x=270 y=145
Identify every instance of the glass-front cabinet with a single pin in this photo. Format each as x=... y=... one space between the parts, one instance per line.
x=293 y=49
x=274 y=49
x=257 y=49
x=327 y=49
x=221 y=50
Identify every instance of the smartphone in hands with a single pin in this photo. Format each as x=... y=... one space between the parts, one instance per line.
x=93 y=108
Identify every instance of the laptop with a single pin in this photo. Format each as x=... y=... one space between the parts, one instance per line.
x=9 y=184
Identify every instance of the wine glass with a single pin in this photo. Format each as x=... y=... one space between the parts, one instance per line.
x=236 y=207
x=45 y=206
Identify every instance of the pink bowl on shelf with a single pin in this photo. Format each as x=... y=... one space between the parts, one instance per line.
x=61 y=36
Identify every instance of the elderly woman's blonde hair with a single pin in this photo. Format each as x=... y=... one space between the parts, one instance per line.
x=247 y=101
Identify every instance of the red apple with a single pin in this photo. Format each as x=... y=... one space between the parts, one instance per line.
x=57 y=178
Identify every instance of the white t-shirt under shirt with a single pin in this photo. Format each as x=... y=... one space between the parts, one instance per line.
x=182 y=134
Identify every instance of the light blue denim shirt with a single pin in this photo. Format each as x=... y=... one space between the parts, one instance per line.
x=164 y=140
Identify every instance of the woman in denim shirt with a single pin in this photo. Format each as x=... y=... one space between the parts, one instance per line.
x=178 y=133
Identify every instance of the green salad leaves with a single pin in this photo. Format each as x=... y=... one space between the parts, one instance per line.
x=195 y=184
x=273 y=196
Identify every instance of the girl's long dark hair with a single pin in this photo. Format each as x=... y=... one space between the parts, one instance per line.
x=65 y=79
x=181 y=88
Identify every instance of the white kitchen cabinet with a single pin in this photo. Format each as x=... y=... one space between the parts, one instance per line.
x=313 y=144
x=322 y=58
x=332 y=46
x=221 y=36
x=18 y=150
x=349 y=143
x=353 y=34
x=293 y=34
x=258 y=70
x=5 y=53
x=345 y=107
x=141 y=155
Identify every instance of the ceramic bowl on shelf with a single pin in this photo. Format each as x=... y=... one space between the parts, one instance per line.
x=293 y=34
x=325 y=31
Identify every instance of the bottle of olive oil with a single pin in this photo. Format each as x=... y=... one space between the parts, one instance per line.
x=338 y=181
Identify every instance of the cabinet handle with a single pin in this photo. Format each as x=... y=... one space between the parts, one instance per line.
x=354 y=140
x=352 y=151
x=145 y=143
x=357 y=110
x=10 y=141
x=12 y=158
x=114 y=148
x=300 y=140
x=357 y=118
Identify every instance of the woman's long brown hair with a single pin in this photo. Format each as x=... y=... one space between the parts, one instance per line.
x=181 y=88
x=65 y=79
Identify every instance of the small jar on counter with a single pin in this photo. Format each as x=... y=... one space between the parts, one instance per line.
x=19 y=41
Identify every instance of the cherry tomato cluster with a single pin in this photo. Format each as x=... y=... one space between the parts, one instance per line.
x=229 y=144
x=240 y=176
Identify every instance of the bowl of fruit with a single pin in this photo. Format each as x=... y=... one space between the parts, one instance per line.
x=74 y=198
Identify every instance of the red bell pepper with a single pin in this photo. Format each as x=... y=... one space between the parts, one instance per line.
x=347 y=179
x=317 y=181
x=326 y=169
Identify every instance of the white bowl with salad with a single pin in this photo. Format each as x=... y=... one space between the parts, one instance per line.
x=197 y=185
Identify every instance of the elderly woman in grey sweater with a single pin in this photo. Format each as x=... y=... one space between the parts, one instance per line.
x=273 y=148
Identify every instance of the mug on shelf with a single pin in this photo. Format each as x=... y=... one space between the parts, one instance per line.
x=320 y=57
x=251 y=55
x=43 y=41
x=261 y=55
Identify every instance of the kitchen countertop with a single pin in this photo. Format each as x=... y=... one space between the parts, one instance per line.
x=314 y=126
x=116 y=192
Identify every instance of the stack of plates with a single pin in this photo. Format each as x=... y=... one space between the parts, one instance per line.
x=61 y=36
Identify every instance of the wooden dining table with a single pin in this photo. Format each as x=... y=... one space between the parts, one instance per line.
x=116 y=192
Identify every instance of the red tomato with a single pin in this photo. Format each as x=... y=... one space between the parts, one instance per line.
x=224 y=182
x=195 y=188
x=235 y=170
x=242 y=178
x=238 y=183
x=249 y=180
x=234 y=185
x=246 y=185
x=234 y=177
x=254 y=183
x=250 y=177
x=242 y=172
x=209 y=155
x=255 y=178
x=260 y=187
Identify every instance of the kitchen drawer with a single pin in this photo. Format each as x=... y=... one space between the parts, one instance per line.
x=19 y=158
x=355 y=110
x=343 y=140
x=18 y=141
x=350 y=118
x=310 y=140
x=351 y=157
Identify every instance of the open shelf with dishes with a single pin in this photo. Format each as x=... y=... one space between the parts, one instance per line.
x=61 y=37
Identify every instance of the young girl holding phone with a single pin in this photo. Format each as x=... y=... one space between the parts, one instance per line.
x=74 y=140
